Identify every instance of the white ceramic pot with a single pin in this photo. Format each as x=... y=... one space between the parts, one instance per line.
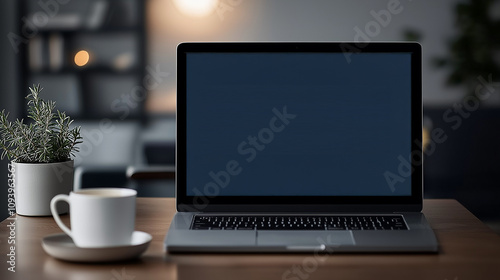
x=37 y=183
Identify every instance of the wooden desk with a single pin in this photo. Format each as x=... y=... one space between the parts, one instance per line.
x=469 y=250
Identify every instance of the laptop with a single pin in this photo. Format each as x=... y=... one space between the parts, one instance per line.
x=299 y=147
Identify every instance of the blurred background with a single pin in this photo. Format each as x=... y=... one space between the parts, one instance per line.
x=110 y=64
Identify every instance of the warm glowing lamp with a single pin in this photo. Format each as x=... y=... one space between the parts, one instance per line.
x=196 y=8
x=82 y=58
x=425 y=137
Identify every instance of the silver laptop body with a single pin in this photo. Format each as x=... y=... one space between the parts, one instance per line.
x=299 y=147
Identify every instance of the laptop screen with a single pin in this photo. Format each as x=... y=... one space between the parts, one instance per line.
x=297 y=123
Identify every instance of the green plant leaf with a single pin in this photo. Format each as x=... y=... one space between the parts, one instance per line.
x=46 y=139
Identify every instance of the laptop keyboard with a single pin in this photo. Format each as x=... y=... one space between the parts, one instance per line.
x=287 y=222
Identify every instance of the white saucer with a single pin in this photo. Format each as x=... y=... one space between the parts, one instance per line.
x=61 y=246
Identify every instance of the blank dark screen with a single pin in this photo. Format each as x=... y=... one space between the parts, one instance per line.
x=296 y=124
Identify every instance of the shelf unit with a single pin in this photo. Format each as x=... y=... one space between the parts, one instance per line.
x=113 y=35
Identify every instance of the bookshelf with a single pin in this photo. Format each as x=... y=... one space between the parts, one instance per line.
x=88 y=55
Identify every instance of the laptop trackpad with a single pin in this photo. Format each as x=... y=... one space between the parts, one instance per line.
x=304 y=239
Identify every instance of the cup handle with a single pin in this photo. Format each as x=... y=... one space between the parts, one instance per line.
x=53 y=209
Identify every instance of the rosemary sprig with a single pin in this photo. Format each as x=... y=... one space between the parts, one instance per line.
x=47 y=139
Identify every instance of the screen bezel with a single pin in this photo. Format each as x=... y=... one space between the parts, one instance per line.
x=318 y=204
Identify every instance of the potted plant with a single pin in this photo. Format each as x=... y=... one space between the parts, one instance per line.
x=41 y=153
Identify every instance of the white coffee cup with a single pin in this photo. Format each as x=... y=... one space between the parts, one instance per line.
x=102 y=217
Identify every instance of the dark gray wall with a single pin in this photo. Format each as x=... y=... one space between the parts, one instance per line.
x=8 y=85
